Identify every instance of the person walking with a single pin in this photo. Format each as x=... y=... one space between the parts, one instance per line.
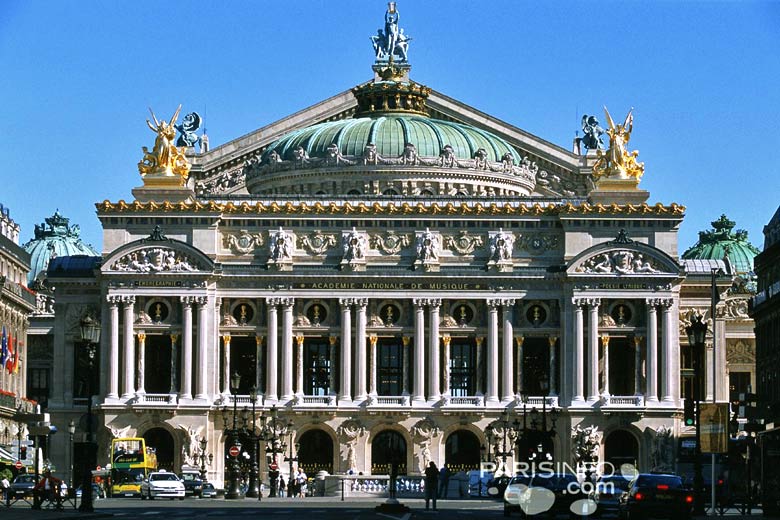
x=5 y=490
x=300 y=481
x=281 y=487
x=444 y=481
x=431 y=484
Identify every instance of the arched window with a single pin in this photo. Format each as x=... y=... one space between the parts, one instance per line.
x=387 y=448
x=461 y=452
x=315 y=452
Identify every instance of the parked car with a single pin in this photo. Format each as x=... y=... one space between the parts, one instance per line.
x=192 y=483
x=547 y=494
x=162 y=484
x=97 y=492
x=497 y=485
x=657 y=495
x=208 y=490
x=513 y=491
x=608 y=491
x=23 y=485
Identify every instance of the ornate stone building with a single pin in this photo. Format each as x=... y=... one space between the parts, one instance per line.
x=16 y=302
x=393 y=270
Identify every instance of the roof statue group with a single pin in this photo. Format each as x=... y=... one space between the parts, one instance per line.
x=166 y=158
x=616 y=162
x=392 y=44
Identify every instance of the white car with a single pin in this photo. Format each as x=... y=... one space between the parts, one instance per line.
x=162 y=484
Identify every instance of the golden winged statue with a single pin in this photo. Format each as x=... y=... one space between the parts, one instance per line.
x=617 y=162
x=165 y=158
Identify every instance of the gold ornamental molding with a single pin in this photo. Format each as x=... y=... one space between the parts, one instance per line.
x=389 y=208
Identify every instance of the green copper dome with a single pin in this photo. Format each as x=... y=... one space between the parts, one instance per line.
x=53 y=239
x=721 y=242
x=390 y=133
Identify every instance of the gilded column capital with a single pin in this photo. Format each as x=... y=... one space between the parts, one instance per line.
x=174 y=338
x=605 y=339
x=258 y=340
x=127 y=300
x=406 y=340
x=372 y=339
x=553 y=340
x=520 y=339
x=113 y=300
x=446 y=339
x=638 y=341
x=333 y=340
x=141 y=336
x=299 y=339
x=479 y=340
x=226 y=339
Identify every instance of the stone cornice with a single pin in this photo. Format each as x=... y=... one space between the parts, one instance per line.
x=429 y=208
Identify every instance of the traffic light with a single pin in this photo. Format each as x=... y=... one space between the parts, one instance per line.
x=689 y=413
x=23 y=453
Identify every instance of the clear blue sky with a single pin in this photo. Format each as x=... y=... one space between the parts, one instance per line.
x=77 y=78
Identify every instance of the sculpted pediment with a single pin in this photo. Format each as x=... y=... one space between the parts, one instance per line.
x=157 y=254
x=623 y=257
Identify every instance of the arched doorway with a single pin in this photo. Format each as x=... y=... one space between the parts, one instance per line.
x=315 y=452
x=620 y=447
x=461 y=451
x=388 y=447
x=162 y=442
x=246 y=451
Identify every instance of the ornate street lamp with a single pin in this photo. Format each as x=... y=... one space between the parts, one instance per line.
x=270 y=434
x=234 y=487
x=254 y=484
x=697 y=334
x=90 y=337
x=538 y=432
x=204 y=458
x=71 y=432
x=293 y=456
x=507 y=435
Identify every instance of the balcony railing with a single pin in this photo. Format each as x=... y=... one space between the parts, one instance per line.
x=157 y=399
x=622 y=401
x=315 y=400
x=549 y=401
x=468 y=400
x=389 y=400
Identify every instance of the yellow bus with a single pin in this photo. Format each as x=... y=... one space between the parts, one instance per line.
x=131 y=463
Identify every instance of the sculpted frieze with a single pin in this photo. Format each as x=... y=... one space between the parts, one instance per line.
x=619 y=262
x=317 y=243
x=464 y=243
x=223 y=181
x=389 y=243
x=243 y=242
x=734 y=309
x=740 y=352
x=155 y=260
x=537 y=243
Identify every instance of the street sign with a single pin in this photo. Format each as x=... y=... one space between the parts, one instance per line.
x=98 y=468
x=234 y=451
x=18 y=464
x=714 y=420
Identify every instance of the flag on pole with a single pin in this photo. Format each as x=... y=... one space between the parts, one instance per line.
x=9 y=363
x=17 y=355
x=3 y=348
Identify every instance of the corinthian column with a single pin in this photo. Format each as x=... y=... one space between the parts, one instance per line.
x=272 y=366
x=186 y=353
x=579 y=353
x=360 y=349
x=373 y=365
x=553 y=365
x=129 y=361
x=405 y=373
x=491 y=395
x=593 y=349
x=637 y=365
x=113 y=348
x=332 y=341
x=605 y=346
x=445 y=387
x=520 y=382
x=418 y=389
x=508 y=332
x=203 y=354
x=226 y=364
x=669 y=350
x=652 y=352
x=174 y=371
x=141 y=367
x=287 y=348
x=299 y=339
x=434 y=383
x=346 y=350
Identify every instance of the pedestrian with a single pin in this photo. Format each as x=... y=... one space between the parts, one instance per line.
x=281 y=487
x=5 y=490
x=444 y=481
x=431 y=483
x=300 y=482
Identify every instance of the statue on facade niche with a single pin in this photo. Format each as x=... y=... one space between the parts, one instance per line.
x=165 y=158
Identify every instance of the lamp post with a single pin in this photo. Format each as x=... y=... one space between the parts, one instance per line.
x=254 y=485
x=71 y=432
x=90 y=337
x=507 y=434
x=697 y=333
x=272 y=434
x=204 y=458
x=538 y=432
x=234 y=488
x=293 y=456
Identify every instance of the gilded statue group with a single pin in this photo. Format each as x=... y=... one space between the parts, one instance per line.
x=616 y=162
x=165 y=158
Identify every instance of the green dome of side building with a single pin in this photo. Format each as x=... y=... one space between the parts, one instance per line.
x=722 y=243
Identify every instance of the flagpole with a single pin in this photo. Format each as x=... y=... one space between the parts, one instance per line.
x=714 y=298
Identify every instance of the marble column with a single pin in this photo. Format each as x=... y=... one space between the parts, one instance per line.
x=174 y=372
x=186 y=353
x=272 y=366
x=201 y=392
x=372 y=340
x=553 y=370
x=508 y=338
x=593 y=348
x=346 y=350
x=287 y=348
x=651 y=395
x=405 y=364
x=299 y=341
x=579 y=352
x=605 y=358
x=638 y=365
x=332 y=341
x=478 y=341
x=129 y=362
x=259 y=363
x=434 y=382
x=491 y=393
x=113 y=348
x=519 y=364
x=140 y=370
x=360 y=349
x=445 y=385
x=669 y=337
x=226 y=364
x=418 y=387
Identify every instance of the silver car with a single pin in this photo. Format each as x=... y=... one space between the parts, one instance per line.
x=162 y=484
